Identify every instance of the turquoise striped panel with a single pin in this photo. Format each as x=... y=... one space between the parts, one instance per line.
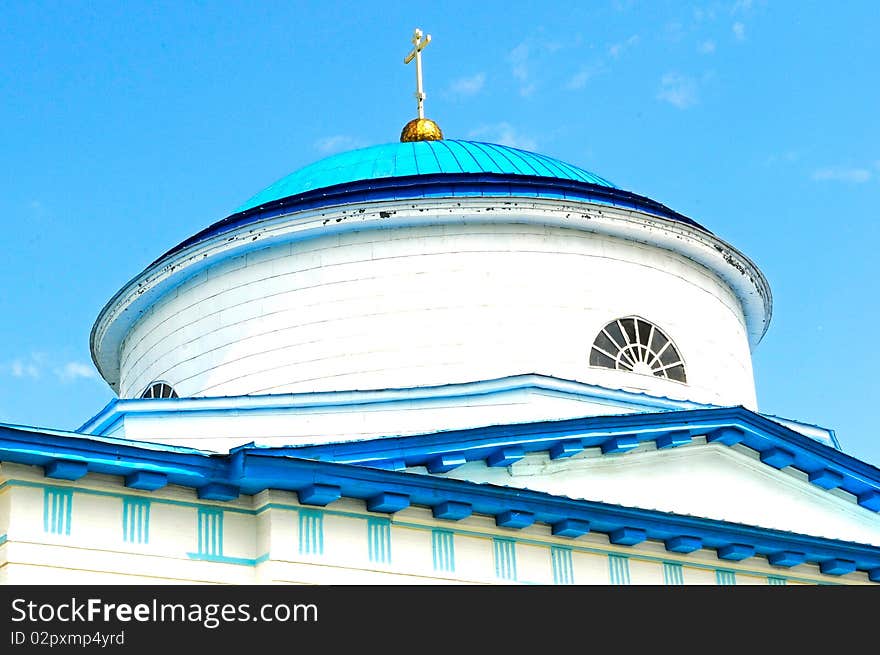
x=379 y=540
x=725 y=577
x=57 y=510
x=443 y=547
x=210 y=532
x=618 y=566
x=775 y=580
x=672 y=573
x=311 y=532
x=136 y=520
x=560 y=560
x=505 y=558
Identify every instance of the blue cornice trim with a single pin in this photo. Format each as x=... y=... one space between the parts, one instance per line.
x=442 y=185
x=2 y=539
x=777 y=445
x=221 y=405
x=252 y=471
x=626 y=524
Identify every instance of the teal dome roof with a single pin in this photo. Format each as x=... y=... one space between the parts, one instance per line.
x=391 y=160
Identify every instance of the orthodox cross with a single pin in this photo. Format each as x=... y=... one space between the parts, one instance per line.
x=418 y=45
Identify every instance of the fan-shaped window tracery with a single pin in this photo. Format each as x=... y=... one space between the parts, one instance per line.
x=634 y=344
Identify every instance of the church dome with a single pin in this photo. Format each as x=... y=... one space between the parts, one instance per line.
x=420 y=158
x=430 y=169
x=415 y=264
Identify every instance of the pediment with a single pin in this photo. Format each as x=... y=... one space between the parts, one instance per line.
x=706 y=480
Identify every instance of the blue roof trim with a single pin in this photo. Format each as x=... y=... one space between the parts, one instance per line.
x=118 y=408
x=440 y=185
x=250 y=472
x=778 y=445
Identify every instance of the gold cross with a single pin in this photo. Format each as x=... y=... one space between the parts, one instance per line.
x=418 y=45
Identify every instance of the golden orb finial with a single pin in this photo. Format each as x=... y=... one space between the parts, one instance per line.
x=421 y=128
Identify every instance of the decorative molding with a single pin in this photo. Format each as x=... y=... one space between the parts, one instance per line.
x=136 y=521
x=504 y=556
x=57 y=510
x=725 y=577
x=311 y=532
x=379 y=540
x=618 y=569
x=561 y=564
x=443 y=550
x=210 y=532
x=673 y=573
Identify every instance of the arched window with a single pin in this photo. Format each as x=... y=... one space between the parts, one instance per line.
x=633 y=344
x=159 y=390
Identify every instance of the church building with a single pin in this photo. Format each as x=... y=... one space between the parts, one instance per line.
x=438 y=361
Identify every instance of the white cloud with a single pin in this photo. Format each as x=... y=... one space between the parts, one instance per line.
x=617 y=49
x=519 y=61
x=707 y=47
x=678 y=90
x=75 y=370
x=530 y=58
x=741 y=6
x=337 y=143
x=739 y=31
x=842 y=174
x=579 y=80
x=24 y=369
x=505 y=134
x=30 y=366
x=468 y=86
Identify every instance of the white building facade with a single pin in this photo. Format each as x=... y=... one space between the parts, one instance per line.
x=438 y=361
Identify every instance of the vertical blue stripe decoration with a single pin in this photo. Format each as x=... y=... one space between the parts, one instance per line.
x=57 y=510
x=311 y=532
x=673 y=574
x=210 y=531
x=618 y=566
x=775 y=580
x=379 y=540
x=560 y=561
x=725 y=577
x=443 y=547
x=505 y=558
x=136 y=520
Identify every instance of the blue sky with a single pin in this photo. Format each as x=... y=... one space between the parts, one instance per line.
x=127 y=127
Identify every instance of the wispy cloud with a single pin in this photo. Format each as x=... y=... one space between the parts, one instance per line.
x=579 y=80
x=337 y=143
x=529 y=61
x=739 y=31
x=521 y=68
x=678 y=90
x=37 y=364
x=468 y=86
x=706 y=47
x=505 y=134
x=72 y=371
x=26 y=366
x=741 y=6
x=852 y=175
x=617 y=49
x=21 y=368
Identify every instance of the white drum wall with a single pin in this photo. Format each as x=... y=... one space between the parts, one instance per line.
x=435 y=304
